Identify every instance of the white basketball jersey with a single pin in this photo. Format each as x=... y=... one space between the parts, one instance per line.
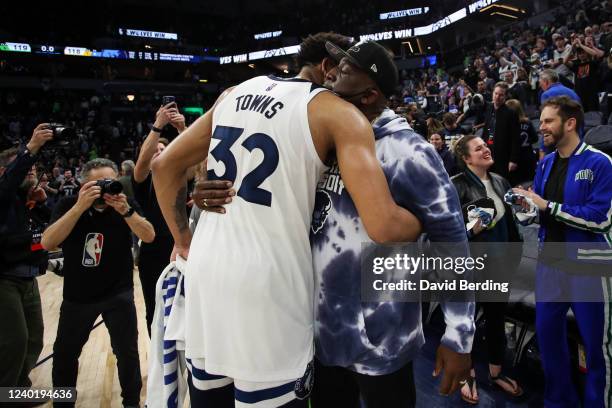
x=249 y=279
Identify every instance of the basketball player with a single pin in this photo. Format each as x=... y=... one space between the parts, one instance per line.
x=249 y=280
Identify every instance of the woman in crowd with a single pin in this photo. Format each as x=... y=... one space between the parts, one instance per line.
x=447 y=157
x=528 y=156
x=476 y=186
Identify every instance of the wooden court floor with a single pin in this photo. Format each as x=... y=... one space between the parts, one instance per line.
x=98 y=384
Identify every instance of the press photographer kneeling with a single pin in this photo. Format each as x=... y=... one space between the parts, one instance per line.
x=94 y=231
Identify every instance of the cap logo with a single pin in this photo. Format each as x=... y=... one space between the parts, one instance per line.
x=373 y=68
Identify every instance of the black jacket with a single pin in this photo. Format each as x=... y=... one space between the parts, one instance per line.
x=470 y=188
x=506 y=143
x=20 y=228
x=449 y=160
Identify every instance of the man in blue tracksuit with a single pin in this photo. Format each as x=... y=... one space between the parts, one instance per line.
x=573 y=190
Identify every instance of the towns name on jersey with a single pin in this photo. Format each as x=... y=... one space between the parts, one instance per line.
x=259 y=103
x=331 y=180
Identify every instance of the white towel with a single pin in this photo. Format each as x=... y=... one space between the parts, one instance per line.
x=166 y=383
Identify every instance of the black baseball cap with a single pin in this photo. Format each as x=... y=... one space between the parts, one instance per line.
x=372 y=58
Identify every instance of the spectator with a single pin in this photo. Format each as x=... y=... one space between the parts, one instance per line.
x=94 y=231
x=154 y=256
x=586 y=69
x=528 y=137
x=551 y=87
x=447 y=157
x=22 y=259
x=450 y=128
x=474 y=185
x=502 y=130
x=69 y=185
x=482 y=89
x=127 y=172
x=575 y=210
x=562 y=51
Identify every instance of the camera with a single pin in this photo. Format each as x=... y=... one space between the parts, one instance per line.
x=108 y=186
x=62 y=134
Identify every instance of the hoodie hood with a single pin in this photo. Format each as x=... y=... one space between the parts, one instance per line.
x=389 y=123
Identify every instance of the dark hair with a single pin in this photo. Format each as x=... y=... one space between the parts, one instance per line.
x=7 y=155
x=312 y=50
x=461 y=148
x=566 y=108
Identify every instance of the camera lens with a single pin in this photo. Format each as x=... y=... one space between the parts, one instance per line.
x=114 y=187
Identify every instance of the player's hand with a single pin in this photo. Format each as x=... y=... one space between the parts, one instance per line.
x=512 y=166
x=183 y=252
x=456 y=367
x=118 y=202
x=212 y=195
x=40 y=136
x=87 y=195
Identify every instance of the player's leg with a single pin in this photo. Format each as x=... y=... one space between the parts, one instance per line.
x=208 y=390
x=277 y=394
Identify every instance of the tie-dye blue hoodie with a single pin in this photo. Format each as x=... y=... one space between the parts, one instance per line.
x=377 y=338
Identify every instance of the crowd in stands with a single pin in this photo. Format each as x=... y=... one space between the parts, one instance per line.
x=440 y=102
x=104 y=127
x=573 y=49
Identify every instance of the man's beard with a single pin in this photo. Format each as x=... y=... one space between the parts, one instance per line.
x=556 y=137
x=27 y=184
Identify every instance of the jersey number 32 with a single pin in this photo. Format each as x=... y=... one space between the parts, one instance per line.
x=249 y=189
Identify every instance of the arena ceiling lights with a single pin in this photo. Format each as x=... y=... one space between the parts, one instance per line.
x=382 y=36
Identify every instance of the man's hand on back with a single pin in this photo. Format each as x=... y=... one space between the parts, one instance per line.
x=212 y=195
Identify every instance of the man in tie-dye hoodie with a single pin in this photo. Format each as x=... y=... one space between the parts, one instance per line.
x=367 y=347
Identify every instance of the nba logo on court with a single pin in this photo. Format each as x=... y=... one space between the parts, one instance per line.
x=92 y=252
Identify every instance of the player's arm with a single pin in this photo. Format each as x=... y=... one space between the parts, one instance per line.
x=170 y=172
x=353 y=140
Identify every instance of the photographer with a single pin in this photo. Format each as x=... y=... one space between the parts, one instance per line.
x=154 y=257
x=94 y=231
x=22 y=260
